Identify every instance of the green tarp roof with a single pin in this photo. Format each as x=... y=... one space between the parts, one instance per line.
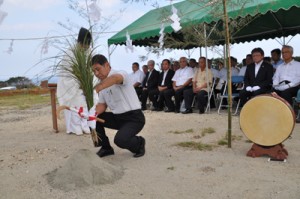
x=266 y=19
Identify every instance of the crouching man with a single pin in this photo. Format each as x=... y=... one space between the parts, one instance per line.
x=117 y=93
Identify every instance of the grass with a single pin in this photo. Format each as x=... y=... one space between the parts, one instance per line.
x=197 y=137
x=195 y=145
x=224 y=141
x=181 y=132
x=23 y=101
x=171 y=168
x=208 y=130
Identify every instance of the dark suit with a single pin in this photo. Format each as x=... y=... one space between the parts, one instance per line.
x=156 y=96
x=263 y=79
x=149 y=84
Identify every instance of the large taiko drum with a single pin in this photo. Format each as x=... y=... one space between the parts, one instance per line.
x=267 y=120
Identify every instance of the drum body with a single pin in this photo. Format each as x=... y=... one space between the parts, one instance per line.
x=267 y=120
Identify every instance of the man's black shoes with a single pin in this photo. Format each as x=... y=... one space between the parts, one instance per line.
x=158 y=109
x=201 y=111
x=169 y=110
x=141 y=151
x=105 y=152
x=187 y=111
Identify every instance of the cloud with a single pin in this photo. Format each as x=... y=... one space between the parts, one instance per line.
x=27 y=27
x=105 y=6
x=34 y=4
x=110 y=4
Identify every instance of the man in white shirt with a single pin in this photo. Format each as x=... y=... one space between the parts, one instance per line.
x=137 y=77
x=181 y=80
x=286 y=79
x=276 y=58
x=214 y=71
x=223 y=73
x=248 y=61
x=234 y=69
x=117 y=93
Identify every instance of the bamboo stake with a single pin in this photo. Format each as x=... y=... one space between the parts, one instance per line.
x=227 y=52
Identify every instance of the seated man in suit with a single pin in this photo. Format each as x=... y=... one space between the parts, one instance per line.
x=164 y=83
x=150 y=83
x=258 y=77
x=181 y=81
x=286 y=79
x=200 y=88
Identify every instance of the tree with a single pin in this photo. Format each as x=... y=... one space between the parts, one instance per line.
x=20 y=82
x=297 y=58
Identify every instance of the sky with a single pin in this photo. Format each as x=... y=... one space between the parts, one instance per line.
x=29 y=22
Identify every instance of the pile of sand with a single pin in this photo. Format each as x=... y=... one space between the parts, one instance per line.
x=83 y=169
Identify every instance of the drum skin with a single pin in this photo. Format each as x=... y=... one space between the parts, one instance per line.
x=267 y=120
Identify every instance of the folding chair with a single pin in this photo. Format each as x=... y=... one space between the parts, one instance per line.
x=211 y=94
x=224 y=95
x=297 y=102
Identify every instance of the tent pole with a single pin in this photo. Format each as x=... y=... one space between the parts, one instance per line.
x=108 y=49
x=200 y=50
x=206 y=68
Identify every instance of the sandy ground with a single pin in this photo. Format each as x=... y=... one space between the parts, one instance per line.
x=30 y=150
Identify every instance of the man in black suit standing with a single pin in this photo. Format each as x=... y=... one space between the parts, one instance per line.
x=150 y=83
x=164 y=84
x=258 y=77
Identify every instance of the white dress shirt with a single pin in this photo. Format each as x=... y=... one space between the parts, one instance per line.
x=242 y=71
x=164 y=77
x=182 y=75
x=137 y=76
x=257 y=67
x=120 y=98
x=288 y=71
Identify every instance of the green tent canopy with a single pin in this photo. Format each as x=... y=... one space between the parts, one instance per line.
x=265 y=19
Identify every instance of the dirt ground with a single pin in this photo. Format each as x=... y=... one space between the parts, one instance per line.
x=30 y=150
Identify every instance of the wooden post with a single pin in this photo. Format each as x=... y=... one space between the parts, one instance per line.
x=52 y=88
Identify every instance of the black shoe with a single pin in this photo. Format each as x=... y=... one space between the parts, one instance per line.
x=187 y=111
x=141 y=151
x=176 y=111
x=158 y=109
x=105 y=152
x=201 y=111
x=144 y=108
x=169 y=110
